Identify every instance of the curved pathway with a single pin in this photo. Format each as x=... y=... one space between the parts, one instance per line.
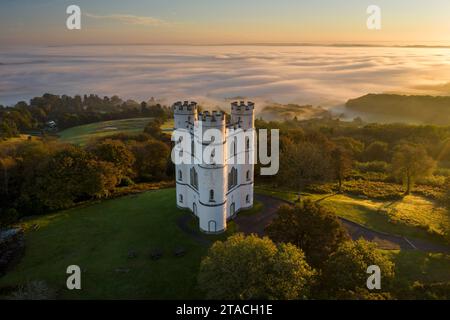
x=257 y=223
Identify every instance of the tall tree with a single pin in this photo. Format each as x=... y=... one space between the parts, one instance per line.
x=341 y=165
x=410 y=162
x=344 y=274
x=310 y=227
x=254 y=268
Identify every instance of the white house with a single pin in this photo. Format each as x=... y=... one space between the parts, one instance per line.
x=215 y=192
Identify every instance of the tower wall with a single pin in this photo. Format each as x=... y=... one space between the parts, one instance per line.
x=210 y=197
x=213 y=179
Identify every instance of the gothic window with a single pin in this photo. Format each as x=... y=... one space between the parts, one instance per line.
x=248 y=175
x=247 y=199
x=247 y=144
x=180 y=198
x=193 y=148
x=232 y=178
x=180 y=175
x=194 y=178
x=211 y=195
x=235 y=146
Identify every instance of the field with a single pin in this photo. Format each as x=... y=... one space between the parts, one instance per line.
x=80 y=135
x=99 y=237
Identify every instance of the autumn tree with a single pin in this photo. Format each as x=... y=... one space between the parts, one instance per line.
x=249 y=267
x=115 y=152
x=311 y=228
x=410 y=162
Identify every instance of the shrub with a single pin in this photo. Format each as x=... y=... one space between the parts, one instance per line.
x=372 y=166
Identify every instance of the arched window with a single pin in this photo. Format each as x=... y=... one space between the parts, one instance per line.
x=193 y=148
x=194 y=178
x=180 y=175
x=248 y=175
x=247 y=199
x=180 y=197
x=232 y=178
x=247 y=144
x=211 y=195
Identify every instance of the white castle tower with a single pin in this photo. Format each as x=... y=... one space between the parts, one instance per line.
x=217 y=191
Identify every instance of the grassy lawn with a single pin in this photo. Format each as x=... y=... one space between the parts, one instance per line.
x=285 y=195
x=98 y=239
x=82 y=134
x=400 y=217
x=411 y=266
x=413 y=216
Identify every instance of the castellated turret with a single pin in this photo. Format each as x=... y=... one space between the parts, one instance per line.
x=213 y=189
x=242 y=114
x=185 y=113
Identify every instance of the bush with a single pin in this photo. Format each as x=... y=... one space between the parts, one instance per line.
x=372 y=166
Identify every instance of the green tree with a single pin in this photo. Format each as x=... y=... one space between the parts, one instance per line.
x=341 y=165
x=69 y=175
x=254 y=268
x=344 y=275
x=376 y=151
x=352 y=146
x=115 y=152
x=303 y=163
x=310 y=227
x=153 y=128
x=151 y=159
x=411 y=161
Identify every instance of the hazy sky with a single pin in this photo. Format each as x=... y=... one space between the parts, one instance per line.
x=230 y=21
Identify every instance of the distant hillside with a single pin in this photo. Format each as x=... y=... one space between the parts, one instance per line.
x=417 y=109
x=277 y=111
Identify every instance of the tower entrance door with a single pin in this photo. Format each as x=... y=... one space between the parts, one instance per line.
x=212 y=226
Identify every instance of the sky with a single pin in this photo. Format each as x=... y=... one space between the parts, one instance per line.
x=37 y=22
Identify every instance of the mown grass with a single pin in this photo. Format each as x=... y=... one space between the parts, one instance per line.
x=81 y=135
x=98 y=238
x=413 y=216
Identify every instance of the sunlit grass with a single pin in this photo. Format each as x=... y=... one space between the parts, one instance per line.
x=81 y=135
